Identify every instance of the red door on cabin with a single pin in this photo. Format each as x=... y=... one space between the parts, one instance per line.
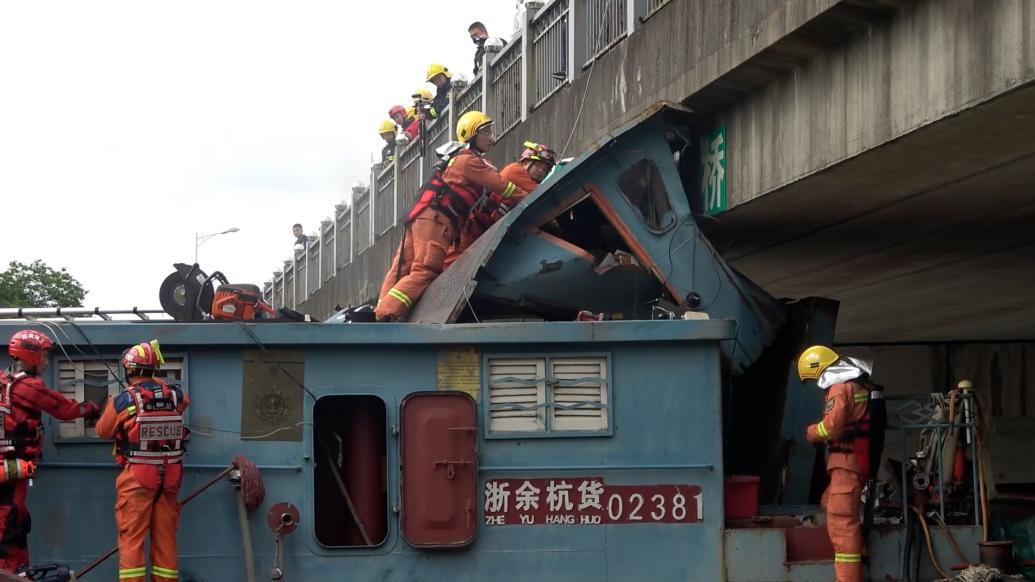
x=439 y=456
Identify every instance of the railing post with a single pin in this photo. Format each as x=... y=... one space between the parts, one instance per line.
x=529 y=81
x=372 y=204
x=338 y=208
x=454 y=92
x=486 y=82
x=634 y=9
x=326 y=222
x=305 y=255
x=577 y=39
x=290 y=265
x=395 y=191
x=356 y=191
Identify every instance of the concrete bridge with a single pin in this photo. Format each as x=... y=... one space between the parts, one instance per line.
x=879 y=152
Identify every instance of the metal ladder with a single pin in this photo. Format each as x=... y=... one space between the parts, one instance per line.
x=79 y=313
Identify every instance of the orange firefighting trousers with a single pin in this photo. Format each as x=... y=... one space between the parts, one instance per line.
x=842 y=500
x=420 y=258
x=138 y=510
x=14 y=524
x=468 y=234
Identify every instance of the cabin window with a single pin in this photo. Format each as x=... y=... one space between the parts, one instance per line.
x=350 y=443
x=98 y=379
x=643 y=187
x=548 y=396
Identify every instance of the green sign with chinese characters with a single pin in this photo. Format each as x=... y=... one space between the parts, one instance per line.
x=713 y=171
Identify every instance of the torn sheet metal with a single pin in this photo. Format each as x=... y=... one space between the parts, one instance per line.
x=610 y=232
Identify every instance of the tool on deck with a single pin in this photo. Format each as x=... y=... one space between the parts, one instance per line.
x=188 y=295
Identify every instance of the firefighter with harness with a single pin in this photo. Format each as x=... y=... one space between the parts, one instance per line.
x=146 y=423
x=853 y=424
x=527 y=173
x=462 y=185
x=23 y=399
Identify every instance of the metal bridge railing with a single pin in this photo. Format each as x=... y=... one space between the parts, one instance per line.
x=549 y=30
x=409 y=177
x=655 y=5
x=606 y=25
x=505 y=83
x=384 y=199
x=533 y=67
x=438 y=135
x=343 y=236
x=470 y=99
x=326 y=247
x=361 y=235
x=289 y=285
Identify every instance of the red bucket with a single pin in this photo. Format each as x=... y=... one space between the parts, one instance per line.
x=741 y=496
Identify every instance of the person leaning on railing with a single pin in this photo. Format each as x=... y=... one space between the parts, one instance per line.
x=406 y=119
x=387 y=131
x=442 y=79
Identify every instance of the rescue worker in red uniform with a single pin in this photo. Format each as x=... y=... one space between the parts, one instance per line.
x=405 y=119
x=443 y=210
x=146 y=423
x=844 y=428
x=527 y=173
x=23 y=397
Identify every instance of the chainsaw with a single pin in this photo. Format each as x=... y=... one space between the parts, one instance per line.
x=188 y=295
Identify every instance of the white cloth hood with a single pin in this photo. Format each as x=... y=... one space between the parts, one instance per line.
x=843 y=370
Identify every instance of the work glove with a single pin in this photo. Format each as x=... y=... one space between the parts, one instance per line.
x=91 y=411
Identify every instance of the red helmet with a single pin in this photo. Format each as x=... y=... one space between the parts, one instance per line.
x=538 y=152
x=397 y=109
x=29 y=346
x=145 y=356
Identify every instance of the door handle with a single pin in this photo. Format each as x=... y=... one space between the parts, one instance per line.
x=451 y=466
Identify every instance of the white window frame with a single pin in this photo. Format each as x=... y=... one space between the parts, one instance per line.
x=72 y=431
x=545 y=409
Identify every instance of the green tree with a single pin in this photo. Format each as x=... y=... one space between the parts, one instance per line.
x=37 y=285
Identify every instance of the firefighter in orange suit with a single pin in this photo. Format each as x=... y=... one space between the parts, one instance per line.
x=532 y=168
x=844 y=429
x=146 y=423
x=445 y=206
x=23 y=399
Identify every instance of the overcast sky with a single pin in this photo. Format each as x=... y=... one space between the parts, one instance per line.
x=126 y=127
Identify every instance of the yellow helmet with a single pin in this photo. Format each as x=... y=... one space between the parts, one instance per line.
x=424 y=94
x=387 y=126
x=435 y=69
x=814 y=361
x=469 y=124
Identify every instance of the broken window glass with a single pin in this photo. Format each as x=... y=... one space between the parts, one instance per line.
x=642 y=186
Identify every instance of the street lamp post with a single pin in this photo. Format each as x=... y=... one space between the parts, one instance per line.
x=200 y=240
